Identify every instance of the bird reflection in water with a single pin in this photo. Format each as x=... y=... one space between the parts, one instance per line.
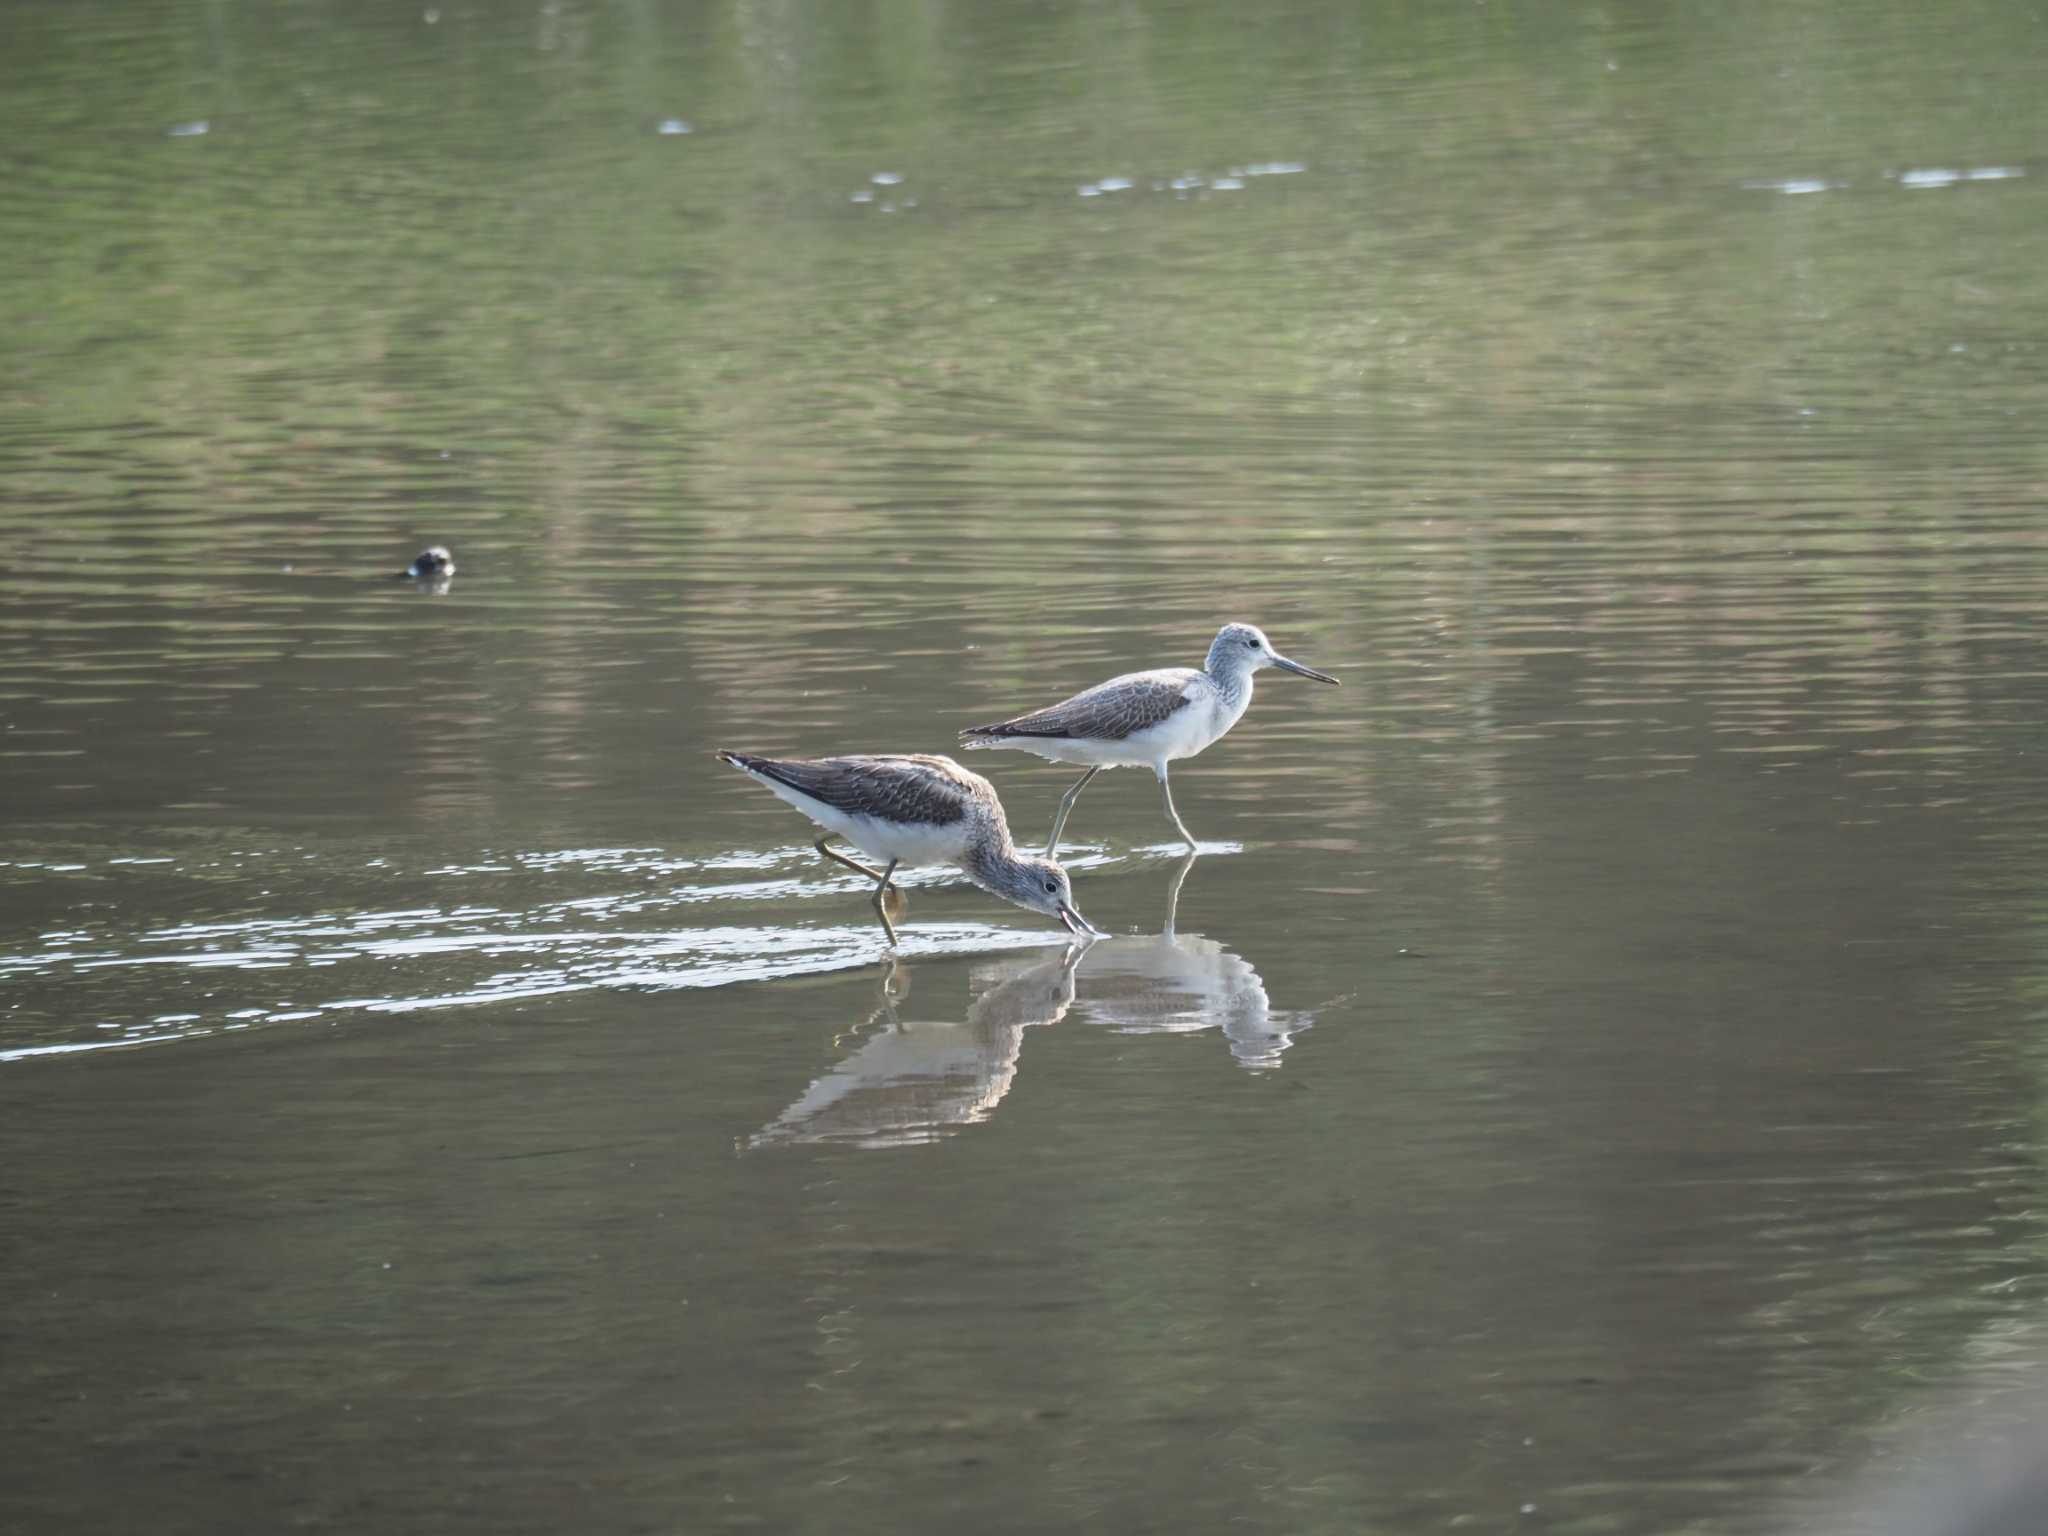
x=910 y=1081
x=1176 y=983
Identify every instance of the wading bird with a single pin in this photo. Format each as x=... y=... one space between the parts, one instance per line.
x=1145 y=719
x=916 y=810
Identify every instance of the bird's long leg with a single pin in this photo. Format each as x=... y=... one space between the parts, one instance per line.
x=840 y=858
x=1059 y=822
x=1181 y=826
x=881 y=910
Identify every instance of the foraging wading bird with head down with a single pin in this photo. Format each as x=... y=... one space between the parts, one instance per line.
x=916 y=810
x=1145 y=719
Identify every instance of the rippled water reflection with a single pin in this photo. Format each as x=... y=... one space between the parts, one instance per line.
x=1593 y=1080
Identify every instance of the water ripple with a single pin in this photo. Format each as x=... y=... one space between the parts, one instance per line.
x=98 y=985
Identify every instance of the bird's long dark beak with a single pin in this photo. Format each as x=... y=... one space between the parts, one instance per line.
x=1300 y=671
x=1076 y=923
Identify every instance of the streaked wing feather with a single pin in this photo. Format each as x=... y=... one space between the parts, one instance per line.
x=907 y=789
x=1109 y=711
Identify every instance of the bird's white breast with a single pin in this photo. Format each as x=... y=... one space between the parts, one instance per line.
x=1188 y=731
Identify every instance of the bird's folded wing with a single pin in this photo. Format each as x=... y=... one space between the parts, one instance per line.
x=893 y=788
x=1110 y=711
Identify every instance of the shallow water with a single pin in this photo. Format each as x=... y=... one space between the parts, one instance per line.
x=1589 y=1082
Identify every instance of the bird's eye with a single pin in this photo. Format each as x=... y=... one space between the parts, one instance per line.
x=1052 y=887
x=1253 y=644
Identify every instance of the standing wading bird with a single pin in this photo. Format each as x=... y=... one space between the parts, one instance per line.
x=916 y=810
x=1145 y=719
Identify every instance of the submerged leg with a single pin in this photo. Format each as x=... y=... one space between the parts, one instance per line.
x=881 y=906
x=1179 y=825
x=1059 y=822
x=840 y=858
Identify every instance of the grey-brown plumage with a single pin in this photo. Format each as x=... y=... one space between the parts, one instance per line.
x=912 y=788
x=1111 y=711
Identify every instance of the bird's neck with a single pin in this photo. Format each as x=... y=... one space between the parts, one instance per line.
x=1233 y=681
x=993 y=863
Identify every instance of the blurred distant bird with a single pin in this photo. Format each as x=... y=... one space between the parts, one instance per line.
x=430 y=564
x=916 y=810
x=1145 y=719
